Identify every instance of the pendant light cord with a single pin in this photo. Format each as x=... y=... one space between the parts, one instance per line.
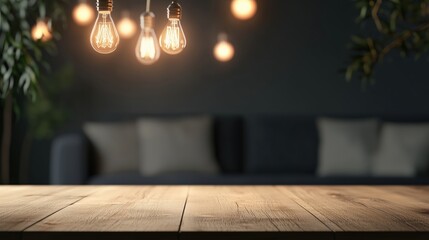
x=147 y=5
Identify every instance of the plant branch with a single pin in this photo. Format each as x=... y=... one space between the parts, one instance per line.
x=395 y=24
x=401 y=38
x=375 y=17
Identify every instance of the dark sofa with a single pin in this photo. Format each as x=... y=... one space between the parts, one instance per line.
x=259 y=150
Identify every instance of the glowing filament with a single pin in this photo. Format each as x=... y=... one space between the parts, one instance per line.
x=172 y=41
x=148 y=48
x=104 y=38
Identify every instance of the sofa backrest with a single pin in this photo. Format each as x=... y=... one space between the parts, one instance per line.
x=280 y=144
x=268 y=144
x=228 y=141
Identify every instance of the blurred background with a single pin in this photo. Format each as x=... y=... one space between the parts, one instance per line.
x=286 y=68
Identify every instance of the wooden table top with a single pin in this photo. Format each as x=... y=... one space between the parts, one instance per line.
x=214 y=212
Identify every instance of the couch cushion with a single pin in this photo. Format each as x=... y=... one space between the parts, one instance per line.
x=176 y=145
x=403 y=150
x=346 y=146
x=280 y=145
x=115 y=146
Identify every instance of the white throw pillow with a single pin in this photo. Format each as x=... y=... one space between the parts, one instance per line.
x=346 y=147
x=403 y=151
x=176 y=146
x=116 y=146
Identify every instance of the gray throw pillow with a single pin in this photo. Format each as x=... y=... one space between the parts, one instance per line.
x=346 y=147
x=176 y=146
x=116 y=146
x=403 y=151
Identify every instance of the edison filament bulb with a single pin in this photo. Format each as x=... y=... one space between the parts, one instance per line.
x=173 y=39
x=104 y=36
x=147 y=49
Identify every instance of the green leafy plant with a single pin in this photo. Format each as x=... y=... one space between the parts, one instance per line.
x=45 y=114
x=47 y=111
x=388 y=25
x=21 y=59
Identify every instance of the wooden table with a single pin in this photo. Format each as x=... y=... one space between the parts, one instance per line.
x=200 y=213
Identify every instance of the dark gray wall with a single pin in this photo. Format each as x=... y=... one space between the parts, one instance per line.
x=288 y=60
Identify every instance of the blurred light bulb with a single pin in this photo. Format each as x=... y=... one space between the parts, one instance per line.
x=244 y=9
x=42 y=30
x=223 y=50
x=83 y=13
x=104 y=36
x=173 y=39
x=147 y=49
x=126 y=26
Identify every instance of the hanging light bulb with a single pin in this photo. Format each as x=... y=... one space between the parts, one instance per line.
x=104 y=36
x=42 y=30
x=83 y=13
x=173 y=39
x=126 y=27
x=244 y=9
x=223 y=50
x=147 y=49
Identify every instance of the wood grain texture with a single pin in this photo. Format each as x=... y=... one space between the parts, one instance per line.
x=216 y=212
x=247 y=213
x=365 y=212
x=412 y=193
x=22 y=207
x=117 y=213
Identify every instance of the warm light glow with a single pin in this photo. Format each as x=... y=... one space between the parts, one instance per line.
x=223 y=51
x=147 y=49
x=127 y=27
x=104 y=36
x=41 y=31
x=83 y=14
x=243 y=9
x=173 y=39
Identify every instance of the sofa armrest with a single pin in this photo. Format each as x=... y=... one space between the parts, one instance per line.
x=69 y=160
